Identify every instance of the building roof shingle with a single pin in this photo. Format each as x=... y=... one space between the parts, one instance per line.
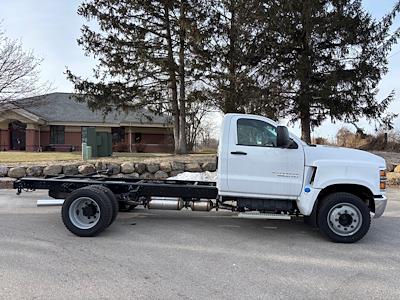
x=62 y=107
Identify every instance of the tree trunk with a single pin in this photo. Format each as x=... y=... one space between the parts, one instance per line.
x=305 y=126
x=172 y=81
x=182 y=97
x=231 y=105
x=305 y=95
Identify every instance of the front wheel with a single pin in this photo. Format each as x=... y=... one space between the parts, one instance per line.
x=344 y=217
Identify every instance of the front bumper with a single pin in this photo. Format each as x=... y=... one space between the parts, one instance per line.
x=380 y=205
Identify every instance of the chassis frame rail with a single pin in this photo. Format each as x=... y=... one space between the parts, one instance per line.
x=134 y=187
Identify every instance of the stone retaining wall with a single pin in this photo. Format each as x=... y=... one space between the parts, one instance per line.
x=161 y=170
x=393 y=174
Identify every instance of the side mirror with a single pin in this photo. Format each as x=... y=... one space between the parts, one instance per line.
x=282 y=137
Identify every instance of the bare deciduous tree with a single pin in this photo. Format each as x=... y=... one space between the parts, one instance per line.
x=19 y=72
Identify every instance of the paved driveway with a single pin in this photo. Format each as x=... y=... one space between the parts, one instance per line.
x=191 y=255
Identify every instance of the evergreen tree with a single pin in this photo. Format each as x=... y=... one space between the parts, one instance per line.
x=328 y=56
x=229 y=49
x=143 y=49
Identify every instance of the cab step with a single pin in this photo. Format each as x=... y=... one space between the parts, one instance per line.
x=262 y=216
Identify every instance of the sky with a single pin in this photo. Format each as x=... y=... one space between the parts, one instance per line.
x=50 y=28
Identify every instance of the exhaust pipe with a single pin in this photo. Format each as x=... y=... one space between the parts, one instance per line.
x=167 y=203
x=172 y=203
x=201 y=205
x=50 y=202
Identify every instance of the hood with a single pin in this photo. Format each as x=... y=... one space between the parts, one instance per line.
x=330 y=153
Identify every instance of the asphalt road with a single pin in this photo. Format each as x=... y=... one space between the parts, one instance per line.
x=191 y=255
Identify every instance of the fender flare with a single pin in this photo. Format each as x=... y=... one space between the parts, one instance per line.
x=359 y=190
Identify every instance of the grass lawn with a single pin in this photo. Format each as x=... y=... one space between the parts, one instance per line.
x=22 y=156
x=42 y=158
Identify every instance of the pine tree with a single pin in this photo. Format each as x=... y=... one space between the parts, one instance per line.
x=142 y=48
x=229 y=50
x=329 y=57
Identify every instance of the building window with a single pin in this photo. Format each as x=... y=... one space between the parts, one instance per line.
x=57 y=134
x=118 y=134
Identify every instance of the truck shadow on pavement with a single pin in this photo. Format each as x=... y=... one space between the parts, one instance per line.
x=209 y=224
x=226 y=225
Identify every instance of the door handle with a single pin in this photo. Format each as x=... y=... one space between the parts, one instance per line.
x=238 y=153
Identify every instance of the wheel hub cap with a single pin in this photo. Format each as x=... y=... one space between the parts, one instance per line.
x=84 y=213
x=89 y=210
x=344 y=219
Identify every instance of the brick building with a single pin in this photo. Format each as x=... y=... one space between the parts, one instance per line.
x=55 y=121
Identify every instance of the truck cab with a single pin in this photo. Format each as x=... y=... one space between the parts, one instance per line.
x=265 y=168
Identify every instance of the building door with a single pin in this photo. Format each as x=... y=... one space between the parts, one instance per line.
x=17 y=132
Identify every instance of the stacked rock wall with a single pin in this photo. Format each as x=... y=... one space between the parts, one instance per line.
x=150 y=170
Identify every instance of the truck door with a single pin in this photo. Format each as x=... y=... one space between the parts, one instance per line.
x=256 y=167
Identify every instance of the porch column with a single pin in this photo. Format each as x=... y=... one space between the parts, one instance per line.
x=32 y=137
x=4 y=136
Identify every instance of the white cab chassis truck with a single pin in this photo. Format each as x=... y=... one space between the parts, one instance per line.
x=263 y=172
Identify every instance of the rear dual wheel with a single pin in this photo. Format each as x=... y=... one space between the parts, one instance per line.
x=108 y=193
x=90 y=210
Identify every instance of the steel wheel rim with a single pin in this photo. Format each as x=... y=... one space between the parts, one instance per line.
x=84 y=213
x=344 y=219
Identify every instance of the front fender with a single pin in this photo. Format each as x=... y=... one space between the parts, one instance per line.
x=347 y=172
x=329 y=173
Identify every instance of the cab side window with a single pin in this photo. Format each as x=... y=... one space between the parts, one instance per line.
x=252 y=132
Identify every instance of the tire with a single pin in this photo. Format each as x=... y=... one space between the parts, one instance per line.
x=344 y=217
x=110 y=196
x=86 y=212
